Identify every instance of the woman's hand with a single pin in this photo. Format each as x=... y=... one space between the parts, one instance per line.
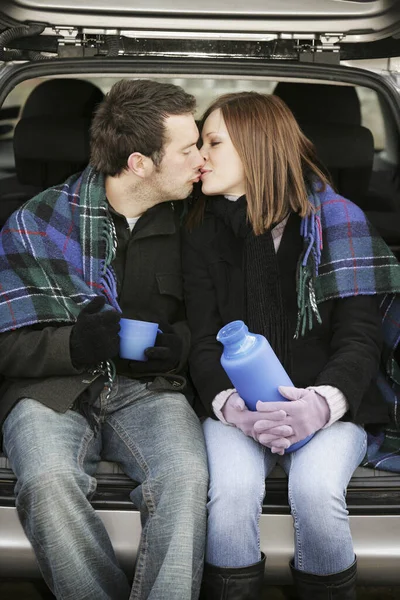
x=235 y=412
x=307 y=412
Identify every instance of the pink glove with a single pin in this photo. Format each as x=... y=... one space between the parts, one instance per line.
x=307 y=413
x=236 y=413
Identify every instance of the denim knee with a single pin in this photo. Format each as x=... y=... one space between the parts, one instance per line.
x=233 y=519
x=185 y=477
x=237 y=497
x=54 y=490
x=326 y=491
x=318 y=505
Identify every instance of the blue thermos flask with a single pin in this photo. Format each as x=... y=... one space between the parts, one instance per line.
x=253 y=367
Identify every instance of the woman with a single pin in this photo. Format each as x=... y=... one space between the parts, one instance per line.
x=268 y=247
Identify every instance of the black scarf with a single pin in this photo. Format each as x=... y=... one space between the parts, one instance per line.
x=263 y=302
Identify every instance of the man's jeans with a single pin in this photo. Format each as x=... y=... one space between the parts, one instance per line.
x=158 y=441
x=318 y=476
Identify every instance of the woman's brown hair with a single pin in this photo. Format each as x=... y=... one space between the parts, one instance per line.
x=278 y=159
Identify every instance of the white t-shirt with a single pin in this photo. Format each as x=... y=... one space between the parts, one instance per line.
x=132 y=222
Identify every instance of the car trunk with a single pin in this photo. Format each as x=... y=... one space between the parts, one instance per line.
x=305 y=44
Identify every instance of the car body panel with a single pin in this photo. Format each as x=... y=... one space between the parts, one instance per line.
x=353 y=21
x=17 y=558
x=376 y=544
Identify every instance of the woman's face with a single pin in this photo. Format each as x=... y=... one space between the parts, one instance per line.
x=223 y=172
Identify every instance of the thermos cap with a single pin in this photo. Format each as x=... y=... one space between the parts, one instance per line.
x=232 y=332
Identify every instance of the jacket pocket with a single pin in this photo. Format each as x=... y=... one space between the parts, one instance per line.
x=170 y=284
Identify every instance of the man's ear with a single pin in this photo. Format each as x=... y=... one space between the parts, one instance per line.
x=139 y=164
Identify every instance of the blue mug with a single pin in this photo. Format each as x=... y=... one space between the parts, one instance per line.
x=135 y=337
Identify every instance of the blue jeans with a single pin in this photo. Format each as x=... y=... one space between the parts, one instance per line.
x=158 y=441
x=319 y=473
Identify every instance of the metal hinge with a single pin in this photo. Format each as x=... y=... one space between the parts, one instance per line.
x=67 y=35
x=72 y=43
x=69 y=45
x=323 y=49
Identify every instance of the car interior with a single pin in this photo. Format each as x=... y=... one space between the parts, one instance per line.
x=44 y=138
x=50 y=141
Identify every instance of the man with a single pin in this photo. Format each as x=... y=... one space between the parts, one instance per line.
x=72 y=260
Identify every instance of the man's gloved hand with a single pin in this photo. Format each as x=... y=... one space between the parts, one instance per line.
x=163 y=357
x=94 y=337
x=236 y=413
x=307 y=413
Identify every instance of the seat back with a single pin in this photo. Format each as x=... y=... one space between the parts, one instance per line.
x=347 y=151
x=331 y=117
x=51 y=139
x=320 y=102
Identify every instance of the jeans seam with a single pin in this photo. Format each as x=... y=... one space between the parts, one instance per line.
x=298 y=544
x=198 y=572
x=364 y=447
x=120 y=431
x=260 y=501
x=148 y=499
x=140 y=562
x=87 y=438
x=295 y=521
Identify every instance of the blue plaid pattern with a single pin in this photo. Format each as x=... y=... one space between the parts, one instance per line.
x=344 y=256
x=56 y=253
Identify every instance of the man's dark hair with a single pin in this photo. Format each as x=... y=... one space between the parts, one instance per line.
x=131 y=118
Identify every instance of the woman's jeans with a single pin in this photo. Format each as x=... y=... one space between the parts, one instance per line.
x=318 y=476
x=158 y=441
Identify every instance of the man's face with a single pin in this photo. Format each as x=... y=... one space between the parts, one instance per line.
x=173 y=179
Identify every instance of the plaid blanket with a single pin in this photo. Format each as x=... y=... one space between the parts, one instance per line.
x=56 y=253
x=344 y=256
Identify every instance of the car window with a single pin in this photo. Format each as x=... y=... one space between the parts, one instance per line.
x=206 y=89
x=371 y=115
x=17 y=98
x=9 y=115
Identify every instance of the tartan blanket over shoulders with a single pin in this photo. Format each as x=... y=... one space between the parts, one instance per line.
x=344 y=256
x=56 y=253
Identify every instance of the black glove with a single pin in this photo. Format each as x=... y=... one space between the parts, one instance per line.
x=163 y=357
x=94 y=337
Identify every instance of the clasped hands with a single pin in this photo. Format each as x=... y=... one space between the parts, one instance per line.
x=278 y=425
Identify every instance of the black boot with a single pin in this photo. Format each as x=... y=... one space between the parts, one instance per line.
x=338 y=586
x=243 y=583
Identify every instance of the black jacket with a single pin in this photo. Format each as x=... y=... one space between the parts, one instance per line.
x=344 y=351
x=36 y=363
